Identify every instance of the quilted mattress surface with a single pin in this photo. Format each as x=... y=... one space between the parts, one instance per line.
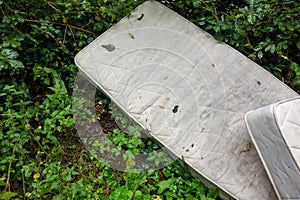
x=275 y=131
x=189 y=91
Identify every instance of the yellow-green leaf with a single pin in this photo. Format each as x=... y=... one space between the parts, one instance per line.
x=36 y=176
x=4 y=195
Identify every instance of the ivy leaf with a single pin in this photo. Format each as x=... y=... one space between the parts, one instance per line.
x=16 y=64
x=272 y=48
x=260 y=54
x=11 y=43
x=9 y=53
x=295 y=67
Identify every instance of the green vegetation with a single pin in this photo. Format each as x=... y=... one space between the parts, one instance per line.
x=41 y=154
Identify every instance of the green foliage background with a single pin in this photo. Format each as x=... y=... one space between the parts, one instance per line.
x=41 y=155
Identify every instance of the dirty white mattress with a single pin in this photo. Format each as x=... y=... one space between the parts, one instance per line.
x=189 y=91
x=275 y=131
